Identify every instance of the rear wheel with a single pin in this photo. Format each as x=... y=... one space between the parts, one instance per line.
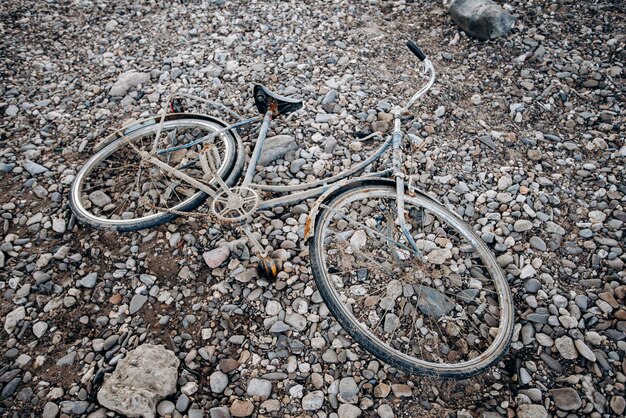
x=447 y=312
x=118 y=190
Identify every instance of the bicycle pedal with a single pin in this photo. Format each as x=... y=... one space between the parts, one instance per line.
x=269 y=268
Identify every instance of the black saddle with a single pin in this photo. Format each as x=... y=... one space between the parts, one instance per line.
x=280 y=105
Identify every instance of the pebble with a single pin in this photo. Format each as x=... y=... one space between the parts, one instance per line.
x=241 y=408
x=566 y=347
x=259 y=387
x=136 y=303
x=216 y=256
x=218 y=382
x=313 y=401
x=566 y=399
x=349 y=411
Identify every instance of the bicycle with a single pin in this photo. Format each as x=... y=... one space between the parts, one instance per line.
x=408 y=279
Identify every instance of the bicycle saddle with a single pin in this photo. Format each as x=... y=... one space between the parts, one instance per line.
x=281 y=105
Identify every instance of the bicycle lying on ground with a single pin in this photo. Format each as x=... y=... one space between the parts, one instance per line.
x=405 y=277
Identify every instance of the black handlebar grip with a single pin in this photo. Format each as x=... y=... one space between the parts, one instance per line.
x=416 y=50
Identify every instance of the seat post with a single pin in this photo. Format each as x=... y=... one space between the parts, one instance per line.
x=258 y=147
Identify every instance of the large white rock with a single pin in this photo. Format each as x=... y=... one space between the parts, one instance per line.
x=145 y=376
x=127 y=80
x=13 y=318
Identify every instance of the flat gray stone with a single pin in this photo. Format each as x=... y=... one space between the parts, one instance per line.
x=33 y=168
x=259 y=387
x=136 y=303
x=434 y=303
x=566 y=399
x=89 y=281
x=50 y=410
x=67 y=360
x=276 y=147
x=218 y=381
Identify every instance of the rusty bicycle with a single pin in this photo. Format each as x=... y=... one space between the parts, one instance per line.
x=405 y=276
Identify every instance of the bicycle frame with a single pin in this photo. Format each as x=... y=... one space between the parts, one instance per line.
x=300 y=192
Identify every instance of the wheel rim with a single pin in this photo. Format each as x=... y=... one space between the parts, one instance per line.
x=87 y=180
x=387 y=327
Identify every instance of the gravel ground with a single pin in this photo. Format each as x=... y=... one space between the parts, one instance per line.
x=525 y=139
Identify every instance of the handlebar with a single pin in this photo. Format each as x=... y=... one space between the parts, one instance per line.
x=416 y=50
x=427 y=69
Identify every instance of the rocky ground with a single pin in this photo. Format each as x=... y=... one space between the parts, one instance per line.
x=525 y=139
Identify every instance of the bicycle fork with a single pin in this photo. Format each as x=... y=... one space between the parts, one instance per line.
x=396 y=161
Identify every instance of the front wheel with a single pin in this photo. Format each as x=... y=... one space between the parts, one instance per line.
x=444 y=311
x=116 y=189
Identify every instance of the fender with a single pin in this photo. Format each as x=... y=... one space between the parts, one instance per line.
x=142 y=123
x=342 y=187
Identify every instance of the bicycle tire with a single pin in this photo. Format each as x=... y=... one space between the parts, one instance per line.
x=364 y=336
x=230 y=171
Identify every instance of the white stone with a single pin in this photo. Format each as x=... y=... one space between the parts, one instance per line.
x=145 y=376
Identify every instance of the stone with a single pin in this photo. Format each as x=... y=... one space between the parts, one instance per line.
x=434 y=303
x=89 y=281
x=385 y=411
x=9 y=389
x=136 y=303
x=59 y=225
x=279 y=326
x=349 y=411
x=227 y=365
x=50 y=410
x=67 y=360
x=40 y=328
x=313 y=401
x=127 y=80
x=522 y=225
x=481 y=19
x=382 y=390
x=111 y=25
x=259 y=387
x=296 y=320
x=401 y=390
x=584 y=350
x=146 y=375
x=348 y=390
x=216 y=256
x=219 y=412
x=11 y=110
x=13 y=318
x=33 y=168
x=165 y=407
x=617 y=404
x=99 y=198
x=74 y=407
x=276 y=147
x=531 y=411
x=537 y=243
x=566 y=347
x=566 y=399
x=182 y=403
x=218 y=381
x=532 y=285
x=241 y=408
